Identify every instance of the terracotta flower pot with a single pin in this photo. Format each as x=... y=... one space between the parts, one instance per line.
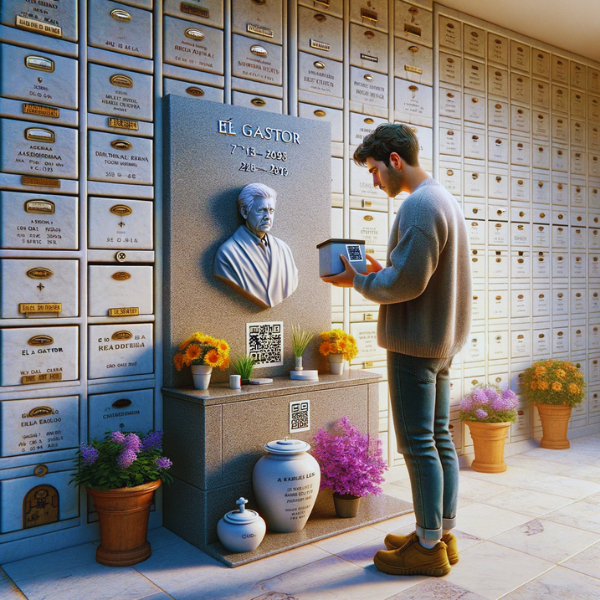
x=555 y=421
x=488 y=443
x=346 y=505
x=123 y=514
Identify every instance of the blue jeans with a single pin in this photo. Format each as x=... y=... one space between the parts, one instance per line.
x=420 y=397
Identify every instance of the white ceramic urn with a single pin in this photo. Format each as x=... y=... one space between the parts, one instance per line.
x=241 y=530
x=286 y=483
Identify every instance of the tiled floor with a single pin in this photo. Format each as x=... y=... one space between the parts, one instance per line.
x=532 y=533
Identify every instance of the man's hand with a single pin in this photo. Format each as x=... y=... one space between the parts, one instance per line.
x=374 y=266
x=345 y=278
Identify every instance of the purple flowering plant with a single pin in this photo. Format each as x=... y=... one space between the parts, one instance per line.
x=351 y=463
x=122 y=459
x=489 y=404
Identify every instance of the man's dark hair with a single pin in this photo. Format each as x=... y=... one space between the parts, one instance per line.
x=388 y=138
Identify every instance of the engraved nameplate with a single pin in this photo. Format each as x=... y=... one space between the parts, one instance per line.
x=113 y=288
x=52 y=18
x=120 y=411
x=320 y=76
x=116 y=358
x=40 y=181
x=257 y=61
x=413 y=99
x=32 y=355
x=49 y=152
x=368 y=88
x=207 y=12
x=119 y=93
x=43 y=111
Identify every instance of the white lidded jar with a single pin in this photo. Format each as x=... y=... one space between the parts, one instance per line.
x=241 y=530
x=286 y=483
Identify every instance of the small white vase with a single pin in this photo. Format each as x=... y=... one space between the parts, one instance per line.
x=336 y=364
x=201 y=375
x=299 y=366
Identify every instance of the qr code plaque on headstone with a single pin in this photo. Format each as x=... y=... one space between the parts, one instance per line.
x=299 y=416
x=354 y=252
x=264 y=342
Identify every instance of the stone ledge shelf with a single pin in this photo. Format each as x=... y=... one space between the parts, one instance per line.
x=215 y=437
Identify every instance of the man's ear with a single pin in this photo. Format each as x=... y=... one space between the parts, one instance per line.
x=244 y=212
x=396 y=161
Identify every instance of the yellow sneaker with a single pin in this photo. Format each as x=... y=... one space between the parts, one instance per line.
x=393 y=542
x=414 y=559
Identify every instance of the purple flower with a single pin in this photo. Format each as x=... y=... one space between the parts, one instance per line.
x=480 y=396
x=118 y=437
x=153 y=441
x=126 y=458
x=481 y=414
x=491 y=394
x=133 y=442
x=89 y=454
x=500 y=404
x=511 y=398
x=467 y=404
x=163 y=463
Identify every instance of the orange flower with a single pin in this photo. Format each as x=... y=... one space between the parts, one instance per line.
x=185 y=343
x=193 y=352
x=543 y=385
x=574 y=389
x=557 y=386
x=223 y=347
x=539 y=371
x=325 y=348
x=343 y=345
x=534 y=385
x=178 y=360
x=569 y=365
x=579 y=374
x=549 y=363
x=225 y=363
x=212 y=358
x=560 y=373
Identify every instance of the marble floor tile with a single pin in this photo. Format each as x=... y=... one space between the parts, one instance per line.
x=8 y=590
x=527 y=502
x=582 y=515
x=558 y=584
x=339 y=543
x=491 y=570
x=512 y=477
x=399 y=489
x=362 y=556
x=476 y=489
x=537 y=464
x=594 y=499
x=162 y=537
x=336 y=579
x=587 y=562
x=436 y=589
x=485 y=521
x=568 y=457
x=395 y=523
x=157 y=596
x=546 y=539
x=586 y=472
x=567 y=487
x=399 y=473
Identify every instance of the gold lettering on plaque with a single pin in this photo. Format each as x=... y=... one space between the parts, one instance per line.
x=39 y=63
x=369 y=15
x=41 y=378
x=121 y=276
x=121 y=80
x=39 y=207
x=190 y=9
x=320 y=45
x=369 y=316
x=43 y=111
x=258 y=50
x=40 y=506
x=119 y=123
x=413 y=69
x=38 y=134
x=194 y=34
x=39 y=181
x=35 y=308
x=121 y=210
x=118 y=14
x=131 y=311
x=258 y=102
x=195 y=91
x=368 y=57
x=40 y=340
x=258 y=30
x=122 y=335
x=368 y=364
x=121 y=145
x=37 y=26
x=39 y=273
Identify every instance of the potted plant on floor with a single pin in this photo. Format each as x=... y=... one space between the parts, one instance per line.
x=352 y=465
x=243 y=366
x=338 y=346
x=489 y=412
x=202 y=353
x=555 y=387
x=121 y=474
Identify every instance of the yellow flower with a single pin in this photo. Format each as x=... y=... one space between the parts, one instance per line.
x=557 y=386
x=343 y=345
x=574 y=389
x=543 y=385
x=325 y=348
x=225 y=363
x=579 y=374
x=534 y=385
x=539 y=371
x=549 y=363
x=193 y=352
x=178 y=360
x=212 y=358
x=223 y=347
x=351 y=339
x=185 y=343
x=325 y=336
x=569 y=365
x=560 y=373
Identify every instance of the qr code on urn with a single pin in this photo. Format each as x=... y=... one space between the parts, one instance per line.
x=264 y=342
x=299 y=416
x=354 y=252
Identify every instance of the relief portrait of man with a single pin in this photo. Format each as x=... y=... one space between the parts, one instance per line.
x=252 y=261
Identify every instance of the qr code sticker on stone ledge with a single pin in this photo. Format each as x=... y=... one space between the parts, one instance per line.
x=299 y=416
x=264 y=342
x=354 y=252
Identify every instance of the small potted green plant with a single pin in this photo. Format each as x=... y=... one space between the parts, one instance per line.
x=352 y=465
x=121 y=474
x=300 y=340
x=243 y=366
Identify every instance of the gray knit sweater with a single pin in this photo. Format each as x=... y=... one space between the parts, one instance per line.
x=425 y=289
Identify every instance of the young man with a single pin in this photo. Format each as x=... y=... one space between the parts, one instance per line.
x=424 y=320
